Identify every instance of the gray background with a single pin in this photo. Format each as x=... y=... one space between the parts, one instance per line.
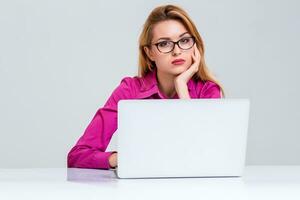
x=60 y=60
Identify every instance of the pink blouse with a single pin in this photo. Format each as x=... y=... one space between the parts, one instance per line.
x=89 y=151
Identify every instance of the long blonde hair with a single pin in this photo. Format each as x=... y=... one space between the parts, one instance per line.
x=172 y=12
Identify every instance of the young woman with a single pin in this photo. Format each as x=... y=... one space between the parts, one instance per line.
x=171 y=65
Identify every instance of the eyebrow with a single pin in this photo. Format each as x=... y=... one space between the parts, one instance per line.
x=167 y=38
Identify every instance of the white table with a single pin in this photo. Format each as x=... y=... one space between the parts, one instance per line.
x=258 y=182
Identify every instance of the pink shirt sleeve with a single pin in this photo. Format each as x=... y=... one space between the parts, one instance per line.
x=89 y=151
x=210 y=90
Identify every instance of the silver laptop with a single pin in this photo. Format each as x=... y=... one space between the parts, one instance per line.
x=182 y=137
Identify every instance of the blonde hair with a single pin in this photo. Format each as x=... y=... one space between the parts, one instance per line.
x=172 y=12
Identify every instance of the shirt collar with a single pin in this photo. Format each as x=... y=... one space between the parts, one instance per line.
x=150 y=83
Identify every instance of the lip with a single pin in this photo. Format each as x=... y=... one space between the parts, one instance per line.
x=178 y=61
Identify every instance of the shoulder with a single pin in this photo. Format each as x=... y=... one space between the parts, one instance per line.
x=128 y=87
x=131 y=81
x=208 y=89
x=132 y=84
x=124 y=90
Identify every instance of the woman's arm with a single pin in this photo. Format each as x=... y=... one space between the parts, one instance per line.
x=182 y=79
x=182 y=91
x=89 y=151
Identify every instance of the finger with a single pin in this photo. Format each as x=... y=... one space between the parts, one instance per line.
x=193 y=57
x=196 y=49
x=198 y=55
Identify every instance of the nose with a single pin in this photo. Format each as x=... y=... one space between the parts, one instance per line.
x=176 y=50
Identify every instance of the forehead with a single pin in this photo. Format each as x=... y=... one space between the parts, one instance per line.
x=169 y=28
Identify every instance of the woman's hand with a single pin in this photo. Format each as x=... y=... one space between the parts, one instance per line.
x=185 y=76
x=113 y=160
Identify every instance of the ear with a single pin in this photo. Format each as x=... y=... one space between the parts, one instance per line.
x=149 y=53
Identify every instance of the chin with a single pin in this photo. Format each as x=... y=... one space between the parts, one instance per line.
x=178 y=70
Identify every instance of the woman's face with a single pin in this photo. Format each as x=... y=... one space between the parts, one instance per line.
x=170 y=30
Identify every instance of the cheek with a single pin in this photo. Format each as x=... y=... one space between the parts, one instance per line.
x=189 y=59
x=162 y=61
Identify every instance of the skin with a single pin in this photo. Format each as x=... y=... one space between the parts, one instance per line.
x=172 y=79
x=113 y=160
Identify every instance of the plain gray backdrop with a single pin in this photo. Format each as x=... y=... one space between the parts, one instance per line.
x=61 y=59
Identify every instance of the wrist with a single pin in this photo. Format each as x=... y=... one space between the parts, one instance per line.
x=182 y=90
x=179 y=83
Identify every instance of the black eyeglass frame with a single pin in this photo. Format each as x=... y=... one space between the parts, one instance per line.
x=175 y=43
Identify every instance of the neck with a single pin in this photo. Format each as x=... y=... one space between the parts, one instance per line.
x=166 y=83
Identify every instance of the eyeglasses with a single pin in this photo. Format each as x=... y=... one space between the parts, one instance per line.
x=168 y=46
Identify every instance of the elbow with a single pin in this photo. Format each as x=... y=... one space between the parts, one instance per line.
x=71 y=158
x=76 y=156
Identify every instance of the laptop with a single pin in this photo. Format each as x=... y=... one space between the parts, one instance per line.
x=164 y=138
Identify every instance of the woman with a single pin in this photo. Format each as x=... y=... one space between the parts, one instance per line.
x=171 y=65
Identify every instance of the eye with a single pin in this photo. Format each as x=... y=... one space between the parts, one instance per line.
x=185 y=40
x=164 y=43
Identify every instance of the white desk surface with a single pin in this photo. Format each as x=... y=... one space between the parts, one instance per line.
x=258 y=182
